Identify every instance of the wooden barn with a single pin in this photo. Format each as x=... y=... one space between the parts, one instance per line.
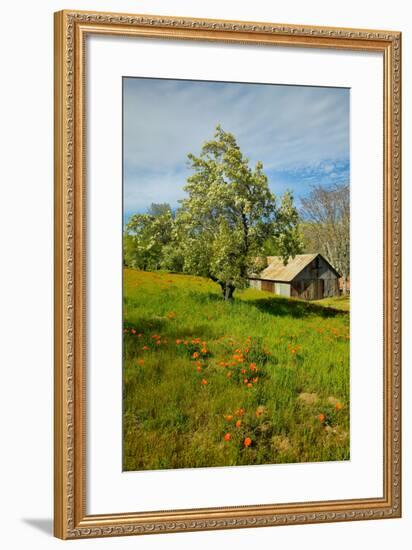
x=306 y=276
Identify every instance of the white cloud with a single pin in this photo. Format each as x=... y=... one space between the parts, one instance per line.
x=286 y=127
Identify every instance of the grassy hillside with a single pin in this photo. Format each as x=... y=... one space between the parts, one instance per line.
x=261 y=380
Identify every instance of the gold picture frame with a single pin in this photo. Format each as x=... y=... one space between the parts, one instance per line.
x=70 y=518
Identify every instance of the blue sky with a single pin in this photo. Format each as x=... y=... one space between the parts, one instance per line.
x=300 y=133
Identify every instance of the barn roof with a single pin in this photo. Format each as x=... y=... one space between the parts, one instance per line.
x=277 y=271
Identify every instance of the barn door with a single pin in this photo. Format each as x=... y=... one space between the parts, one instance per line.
x=267 y=285
x=320 y=289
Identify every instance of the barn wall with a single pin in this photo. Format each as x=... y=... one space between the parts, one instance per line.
x=308 y=289
x=317 y=269
x=305 y=284
x=283 y=289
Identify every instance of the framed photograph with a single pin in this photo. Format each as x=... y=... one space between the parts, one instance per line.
x=227 y=274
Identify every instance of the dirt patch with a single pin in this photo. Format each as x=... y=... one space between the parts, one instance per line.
x=281 y=443
x=308 y=398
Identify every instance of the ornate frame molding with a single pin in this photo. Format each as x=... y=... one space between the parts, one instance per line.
x=71 y=520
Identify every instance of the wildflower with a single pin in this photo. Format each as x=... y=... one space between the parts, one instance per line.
x=195 y=355
x=158 y=342
x=204 y=382
x=252 y=366
x=178 y=342
x=133 y=331
x=140 y=361
x=203 y=350
x=238 y=423
x=245 y=381
x=338 y=406
x=250 y=385
x=240 y=412
x=145 y=348
x=229 y=375
x=247 y=350
x=227 y=437
x=292 y=351
x=321 y=417
x=198 y=368
x=229 y=417
x=243 y=371
x=247 y=442
x=255 y=379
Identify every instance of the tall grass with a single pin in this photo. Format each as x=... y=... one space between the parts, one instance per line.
x=263 y=379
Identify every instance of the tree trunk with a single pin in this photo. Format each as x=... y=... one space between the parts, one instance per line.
x=227 y=290
x=345 y=284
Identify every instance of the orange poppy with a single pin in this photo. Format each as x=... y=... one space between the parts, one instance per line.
x=229 y=417
x=247 y=442
x=195 y=355
x=338 y=406
x=227 y=437
x=140 y=361
x=198 y=368
x=238 y=423
x=204 y=382
x=321 y=417
x=229 y=374
x=250 y=385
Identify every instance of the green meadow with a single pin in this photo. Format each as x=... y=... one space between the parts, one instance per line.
x=259 y=380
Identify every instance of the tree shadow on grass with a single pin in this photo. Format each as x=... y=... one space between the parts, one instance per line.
x=274 y=305
x=160 y=325
x=294 y=308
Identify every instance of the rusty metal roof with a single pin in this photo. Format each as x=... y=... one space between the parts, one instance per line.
x=277 y=271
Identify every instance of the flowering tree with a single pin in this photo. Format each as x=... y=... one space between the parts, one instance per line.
x=228 y=215
x=146 y=236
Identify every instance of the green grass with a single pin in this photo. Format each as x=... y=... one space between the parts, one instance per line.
x=341 y=303
x=270 y=371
